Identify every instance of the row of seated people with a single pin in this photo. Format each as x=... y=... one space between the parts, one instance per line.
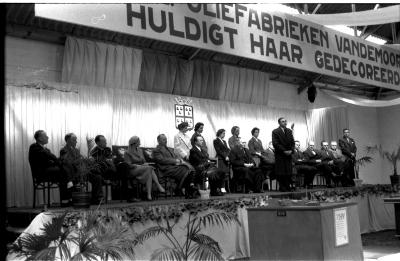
x=188 y=165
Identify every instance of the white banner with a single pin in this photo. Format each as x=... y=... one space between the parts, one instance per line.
x=245 y=30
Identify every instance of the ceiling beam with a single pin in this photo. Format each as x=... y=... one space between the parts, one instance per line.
x=378 y=95
x=194 y=54
x=316 y=8
x=394 y=36
x=298 y=8
x=376 y=28
x=307 y=84
x=306 y=8
x=353 y=9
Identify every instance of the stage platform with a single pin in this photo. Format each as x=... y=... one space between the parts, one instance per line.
x=22 y=216
x=373 y=213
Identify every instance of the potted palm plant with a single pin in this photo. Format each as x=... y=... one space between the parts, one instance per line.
x=81 y=196
x=196 y=246
x=392 y=157
x=362 y=161
x=95 y=238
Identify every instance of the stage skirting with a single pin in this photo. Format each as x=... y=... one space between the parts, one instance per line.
x=233 y=239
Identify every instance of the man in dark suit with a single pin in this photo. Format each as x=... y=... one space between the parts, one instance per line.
x=45 y=166
x=267 y=163
x=244 y=169
x=71 y=159
x=283 y=142
x=330 y=170
x=203 y=166
x=302 y=167
x=171 y=166
x=349 y=150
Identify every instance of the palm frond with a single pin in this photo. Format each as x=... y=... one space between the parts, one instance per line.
x=150 y=232
x=86 y=247
x=363 y=160
x=206 y=240
x=52 y=230
x=217 y=219
x=31 y=244
x=166 y=253
x=205 y=252
x=114 y=239
x=46 y=254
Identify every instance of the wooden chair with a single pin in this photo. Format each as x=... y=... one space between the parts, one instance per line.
x=43 y=185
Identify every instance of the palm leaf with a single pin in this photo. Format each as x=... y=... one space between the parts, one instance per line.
x=52 y=230
x=217 y=219
x=32 y=243
x=86 y=247
x=363 y=160
x=205 y=252
x=45 y=254
x=150 y=232
x=114 y=239
x=166 y=253
x=206 y=240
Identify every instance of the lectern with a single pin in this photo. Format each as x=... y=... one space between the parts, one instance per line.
x=329 y=231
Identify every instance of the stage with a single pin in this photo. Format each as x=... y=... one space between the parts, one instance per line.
x=374 y=215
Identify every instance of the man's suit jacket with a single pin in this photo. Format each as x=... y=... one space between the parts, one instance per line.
x=311 y=157
x=326 y=155
x=164 y=157
x=268 y=156
x=338 y=155
x=41 y=158
x=239 y=156
x=198 y=159
x=297 y=156
x=221 y=148
x=347 y=147
x=282 y=141
x=255 y=145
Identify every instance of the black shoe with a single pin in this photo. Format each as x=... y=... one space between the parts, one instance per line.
x=216 y=193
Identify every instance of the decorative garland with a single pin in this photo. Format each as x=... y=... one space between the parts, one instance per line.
x=143 y=214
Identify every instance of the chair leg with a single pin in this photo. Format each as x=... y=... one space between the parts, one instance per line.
x=48 y=194
x=34 y=196
x=44 y=194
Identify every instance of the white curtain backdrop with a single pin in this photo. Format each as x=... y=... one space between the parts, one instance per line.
x=326 y=124
x=118 y=114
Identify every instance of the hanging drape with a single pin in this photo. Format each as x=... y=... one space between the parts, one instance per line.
x=118 y=114
x=326 y=124
x=100 y=64
x=171 y=75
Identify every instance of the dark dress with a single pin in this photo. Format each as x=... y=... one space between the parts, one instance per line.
x=283 y=140
x=222 y=151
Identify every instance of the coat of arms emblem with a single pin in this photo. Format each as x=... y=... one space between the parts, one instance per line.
x=183 y=111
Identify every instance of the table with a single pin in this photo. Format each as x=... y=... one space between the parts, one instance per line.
x=396 y=202
x=326 y=232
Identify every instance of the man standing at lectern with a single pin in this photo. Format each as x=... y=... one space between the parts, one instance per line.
x=283 y=142
x=349 y=150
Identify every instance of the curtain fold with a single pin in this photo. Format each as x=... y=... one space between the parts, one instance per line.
x=118 y=114
x=326 y=124
x=203 y=79
x=94 y=63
